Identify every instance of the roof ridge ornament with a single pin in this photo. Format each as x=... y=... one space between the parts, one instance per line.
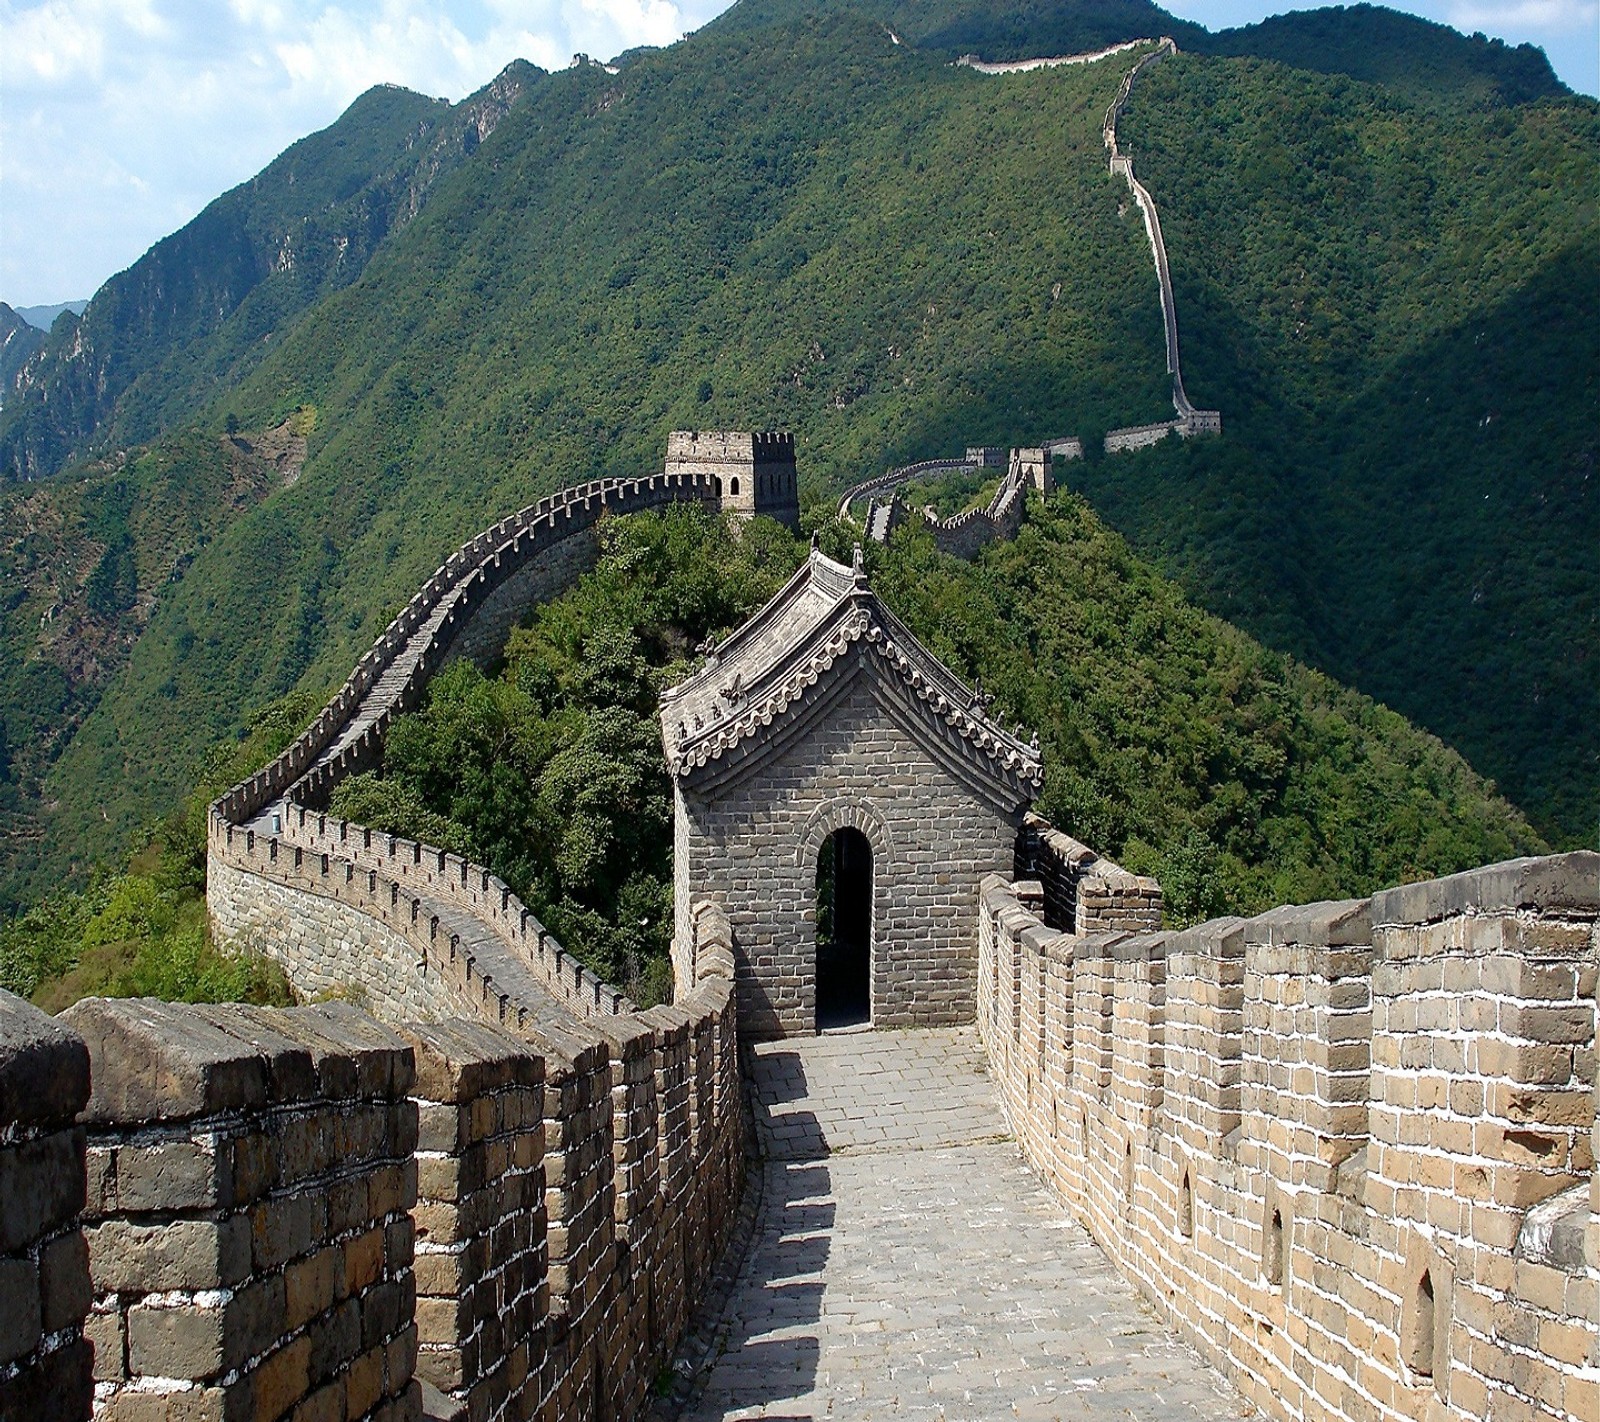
x=858 y=568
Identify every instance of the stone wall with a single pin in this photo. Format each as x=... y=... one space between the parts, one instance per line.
x=443 y=942
x=302 y=1214
x=474 y=945
x=754 y=851
x=1083 y=893
x=1348 y=1149
x=754 y=473
x=251 y=1177
x=45 y=1363
x=1190 y=421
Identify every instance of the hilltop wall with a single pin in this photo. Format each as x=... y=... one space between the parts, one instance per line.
x=1190 y=421
x=301 y=1213
x=1347 y=1149
x=406 y=928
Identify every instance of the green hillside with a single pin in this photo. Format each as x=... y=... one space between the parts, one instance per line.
x=1415 y=58
x=791 y=220
x=18 y=342
x=1388 y=304
x=160 y=340
x=1171 y=740
x=1006 y=29
x=88 y=559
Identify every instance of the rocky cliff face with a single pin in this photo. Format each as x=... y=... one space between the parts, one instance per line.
x=19 y=342
x=198 y=310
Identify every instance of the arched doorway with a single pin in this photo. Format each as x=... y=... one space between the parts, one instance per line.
x=844 y=930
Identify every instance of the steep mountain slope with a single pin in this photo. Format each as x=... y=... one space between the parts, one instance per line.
x=202 y=306
x=19 y=342
x=811 y=228
x=88 y=557
x=1388 y=302
x=1413 y=57
x=799 y=222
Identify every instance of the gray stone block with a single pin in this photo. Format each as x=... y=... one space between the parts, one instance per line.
x=458 y=1060
x=134 y=1258
x=1558 y=882
x=1338 y=924
x=20 y=1318
x=44 y=1066
x=153 y=1061
x=41 y=1186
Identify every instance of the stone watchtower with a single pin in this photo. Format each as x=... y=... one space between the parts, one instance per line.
x=754 y=472
x=841 y=794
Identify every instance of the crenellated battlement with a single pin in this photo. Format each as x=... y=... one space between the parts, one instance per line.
x=1347 y=1148
x=301 y=1213
x=754 y=473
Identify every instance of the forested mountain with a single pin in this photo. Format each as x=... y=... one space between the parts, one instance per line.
x=1389 y=302
x=793 y=220
x=19 y=342
x=161 y=340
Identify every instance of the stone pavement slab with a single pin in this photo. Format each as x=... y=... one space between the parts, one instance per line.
x=906 y=1263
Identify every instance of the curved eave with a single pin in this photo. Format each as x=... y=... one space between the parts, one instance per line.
x=998 y=764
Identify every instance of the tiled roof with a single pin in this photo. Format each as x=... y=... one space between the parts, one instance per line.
x=768 y=666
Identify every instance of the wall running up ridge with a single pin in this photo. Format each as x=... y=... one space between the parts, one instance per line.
x=275 y=1214
x=406 y=928
x=1346 y=1148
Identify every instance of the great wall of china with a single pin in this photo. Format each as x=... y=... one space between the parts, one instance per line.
x=1346 y=1149
x=974 y=528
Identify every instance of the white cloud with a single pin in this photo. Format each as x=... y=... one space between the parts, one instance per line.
x=123 y=118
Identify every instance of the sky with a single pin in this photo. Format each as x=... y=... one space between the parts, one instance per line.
x=121 y=119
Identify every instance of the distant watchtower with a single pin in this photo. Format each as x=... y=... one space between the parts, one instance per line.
x=754 y=472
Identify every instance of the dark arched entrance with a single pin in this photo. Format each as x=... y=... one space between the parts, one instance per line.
x=844 y=930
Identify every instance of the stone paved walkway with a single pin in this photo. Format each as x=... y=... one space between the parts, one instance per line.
x=907 y=1264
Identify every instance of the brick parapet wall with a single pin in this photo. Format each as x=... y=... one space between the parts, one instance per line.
x=465 y=609
x=1083 y=892
x=450 y=598
x=251 y=1177
x=45 y=1362
x=1347 y=1148
x=290 y=1211
x=406 y=883
x=481 y=1252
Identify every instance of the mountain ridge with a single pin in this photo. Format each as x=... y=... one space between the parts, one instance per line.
x=809 y=226
x=139 y=361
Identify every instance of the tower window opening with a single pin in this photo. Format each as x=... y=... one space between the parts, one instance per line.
x=1420 y=1354
x=1272 y=1261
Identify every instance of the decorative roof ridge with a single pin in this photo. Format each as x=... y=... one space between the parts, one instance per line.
x=835 y=579
x=965 y=709
x=854 y=614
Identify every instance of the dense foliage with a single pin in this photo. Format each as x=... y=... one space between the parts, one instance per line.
x=1177 y=744
x=1384 y=300
x=550 y=770
x=143 y=932
x=1171 y=740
